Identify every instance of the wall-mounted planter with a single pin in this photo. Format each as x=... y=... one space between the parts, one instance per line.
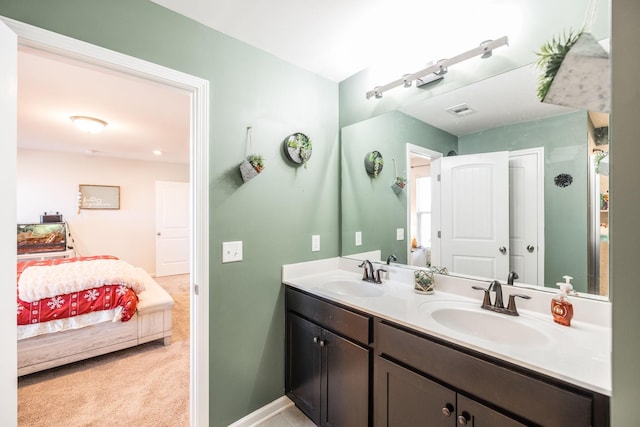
x=399 y=184
x=251 y=167
x=297 y=148
x=373 y=163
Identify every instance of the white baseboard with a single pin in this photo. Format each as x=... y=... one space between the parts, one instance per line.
x=264 y=413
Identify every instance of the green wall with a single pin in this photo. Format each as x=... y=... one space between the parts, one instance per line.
x=624 y=234
x=564 y=139
x=369 y=204
x=275 y=214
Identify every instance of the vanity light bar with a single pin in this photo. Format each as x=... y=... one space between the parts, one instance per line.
x=440 y=67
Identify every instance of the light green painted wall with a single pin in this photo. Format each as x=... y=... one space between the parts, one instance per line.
x=624 y=236
x=369 y=204
x=564 y=139
x=275 y=214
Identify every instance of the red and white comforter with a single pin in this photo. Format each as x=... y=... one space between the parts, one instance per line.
x=64 y=288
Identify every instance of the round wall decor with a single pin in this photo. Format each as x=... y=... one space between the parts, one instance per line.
x=297 y=148
x=373 y=163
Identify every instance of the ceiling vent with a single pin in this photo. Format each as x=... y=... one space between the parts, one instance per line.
x=460 y=110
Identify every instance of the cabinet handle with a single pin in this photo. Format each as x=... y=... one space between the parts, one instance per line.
x=323 y=343
x=502 y=250
x=463 y=419
x=531 y=248
x=315 y=340
x=447 y=410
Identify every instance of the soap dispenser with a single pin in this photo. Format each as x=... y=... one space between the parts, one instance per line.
x=561 y=307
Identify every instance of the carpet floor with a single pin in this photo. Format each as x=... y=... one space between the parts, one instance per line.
x=147 y=385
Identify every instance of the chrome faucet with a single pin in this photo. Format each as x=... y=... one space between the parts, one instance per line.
x=498 y=305
x=369 y=274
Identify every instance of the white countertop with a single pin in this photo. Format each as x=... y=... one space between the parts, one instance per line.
x=579 y=354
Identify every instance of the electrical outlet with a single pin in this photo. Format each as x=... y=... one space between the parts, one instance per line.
x=400 y=234
x=231 y=251
x=358 y=238
x=315 y=243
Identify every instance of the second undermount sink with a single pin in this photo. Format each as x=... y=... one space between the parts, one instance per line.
x=486 y=325
x=353 y=287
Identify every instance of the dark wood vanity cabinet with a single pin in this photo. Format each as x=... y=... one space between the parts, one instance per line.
x=328 y=361
x=405 y=398
x=422 y=381
x=345 y=368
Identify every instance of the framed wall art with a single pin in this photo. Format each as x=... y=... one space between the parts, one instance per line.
x=98 y=196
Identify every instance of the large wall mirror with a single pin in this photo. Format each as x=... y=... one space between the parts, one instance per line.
x=496 y=182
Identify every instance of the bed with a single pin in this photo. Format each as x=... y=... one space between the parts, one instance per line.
x=123 y=307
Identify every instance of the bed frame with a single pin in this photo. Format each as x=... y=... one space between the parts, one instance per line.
x=151 y=322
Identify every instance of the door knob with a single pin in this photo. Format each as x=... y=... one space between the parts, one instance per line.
x=503 y=250
x=531 y=248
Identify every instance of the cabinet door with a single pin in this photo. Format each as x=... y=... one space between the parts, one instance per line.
x=345 y=383
x=406 y=399
x=304 y=365
x=473 y=414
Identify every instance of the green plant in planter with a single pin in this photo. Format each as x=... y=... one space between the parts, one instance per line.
x=377 y=161
x=303 y=144
x=550 y=57
x=401 y=181
x=257 y=161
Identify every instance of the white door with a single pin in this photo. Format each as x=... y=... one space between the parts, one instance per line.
x=475 y=214
x=526 y=211
x=172 y=228
x=8 y=136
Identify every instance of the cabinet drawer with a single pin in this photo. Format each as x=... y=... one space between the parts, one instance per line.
x=337 y=319
x=531 y=398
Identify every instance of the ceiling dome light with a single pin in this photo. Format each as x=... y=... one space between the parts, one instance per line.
x=88 y=124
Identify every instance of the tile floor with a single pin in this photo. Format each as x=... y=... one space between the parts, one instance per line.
x=290 y=417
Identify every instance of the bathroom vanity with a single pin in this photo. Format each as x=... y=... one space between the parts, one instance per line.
x=363 y=354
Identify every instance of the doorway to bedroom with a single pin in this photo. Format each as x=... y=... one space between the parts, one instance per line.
x=131 y=172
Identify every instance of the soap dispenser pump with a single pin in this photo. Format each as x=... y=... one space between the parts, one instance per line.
x=561 y=307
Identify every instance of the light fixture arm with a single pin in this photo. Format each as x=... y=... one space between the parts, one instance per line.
x=484 y=49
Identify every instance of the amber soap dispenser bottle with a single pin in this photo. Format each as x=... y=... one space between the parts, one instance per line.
x=561 y=307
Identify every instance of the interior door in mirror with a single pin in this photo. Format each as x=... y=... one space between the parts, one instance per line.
x=474 y=214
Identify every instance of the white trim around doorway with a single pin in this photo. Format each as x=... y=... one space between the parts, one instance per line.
x=47 y=41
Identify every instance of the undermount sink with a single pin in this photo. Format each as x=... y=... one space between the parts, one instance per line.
x=353 y=287
x=487 y=325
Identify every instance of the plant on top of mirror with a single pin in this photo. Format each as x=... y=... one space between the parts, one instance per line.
x=550 y=57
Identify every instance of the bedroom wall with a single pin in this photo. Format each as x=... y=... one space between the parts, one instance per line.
x=129 y=232
x=274 y=215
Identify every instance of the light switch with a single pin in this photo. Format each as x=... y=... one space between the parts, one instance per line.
x=358 y=238
x=399 y=233
x=315 y=243
x=231 y=251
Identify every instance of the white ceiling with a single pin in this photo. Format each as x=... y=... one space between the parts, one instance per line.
x=142 y=116
x=333 y=38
